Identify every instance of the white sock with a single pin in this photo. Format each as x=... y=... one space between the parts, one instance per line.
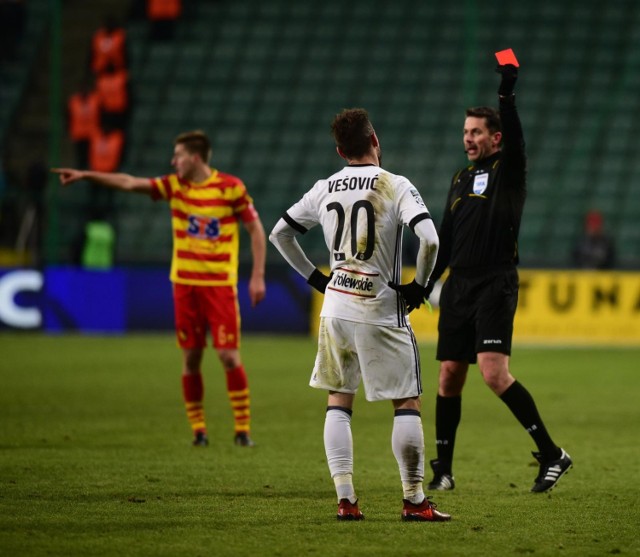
x=338 y=445
x=413 y=492
x=407 y=442
x=344 y=487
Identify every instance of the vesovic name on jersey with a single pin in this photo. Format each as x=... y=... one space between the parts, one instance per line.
x=353 y=183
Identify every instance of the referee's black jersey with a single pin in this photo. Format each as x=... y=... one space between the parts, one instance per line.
x=481 y=221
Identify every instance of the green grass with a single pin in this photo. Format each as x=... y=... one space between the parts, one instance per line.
x=95 y=457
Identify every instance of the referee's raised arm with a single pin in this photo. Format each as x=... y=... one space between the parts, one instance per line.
x=513 y=144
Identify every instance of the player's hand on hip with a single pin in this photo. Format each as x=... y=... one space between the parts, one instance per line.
x=412 y=293
x=428 y=289
x=319 y=280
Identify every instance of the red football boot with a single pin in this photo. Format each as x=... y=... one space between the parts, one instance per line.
x=348 y=510
x=424 y=512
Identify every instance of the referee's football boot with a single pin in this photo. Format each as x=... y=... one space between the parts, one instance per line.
x=200 y=439
x=242 y=439
x=551 y=471
x=424 y=512
x=442 y=478
x=349 y=511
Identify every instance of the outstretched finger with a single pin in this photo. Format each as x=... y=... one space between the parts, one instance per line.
x=59 y=170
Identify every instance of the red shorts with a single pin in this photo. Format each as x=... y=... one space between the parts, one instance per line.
x=200 y=307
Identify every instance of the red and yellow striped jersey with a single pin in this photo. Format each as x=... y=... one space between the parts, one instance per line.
x=204 y=218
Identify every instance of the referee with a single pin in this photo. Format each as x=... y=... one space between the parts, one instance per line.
x=479 y=244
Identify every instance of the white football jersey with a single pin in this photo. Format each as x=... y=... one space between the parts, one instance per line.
x=362 y=210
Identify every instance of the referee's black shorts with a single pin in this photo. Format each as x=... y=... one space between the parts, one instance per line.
x=476 y=314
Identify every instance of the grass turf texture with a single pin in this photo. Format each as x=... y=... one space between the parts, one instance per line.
x=95 y=457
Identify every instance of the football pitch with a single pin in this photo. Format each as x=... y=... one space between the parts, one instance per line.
x=95 y=457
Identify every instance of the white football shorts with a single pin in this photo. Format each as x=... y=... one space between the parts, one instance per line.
x=386 y=359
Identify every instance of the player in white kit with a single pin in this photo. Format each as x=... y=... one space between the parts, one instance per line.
x=365 y=335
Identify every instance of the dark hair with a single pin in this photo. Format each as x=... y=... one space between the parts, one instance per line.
x=352 y=132
x=491 y=116
x=195 y=142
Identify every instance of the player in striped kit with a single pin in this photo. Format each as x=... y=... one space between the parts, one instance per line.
x=206 y=206
x=365 y=334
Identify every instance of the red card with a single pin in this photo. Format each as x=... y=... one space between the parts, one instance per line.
x=507 y=57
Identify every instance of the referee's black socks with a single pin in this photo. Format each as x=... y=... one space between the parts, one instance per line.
x=523 y=407
x=448 y=413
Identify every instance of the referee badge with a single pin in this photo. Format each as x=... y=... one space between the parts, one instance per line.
x=480 y=183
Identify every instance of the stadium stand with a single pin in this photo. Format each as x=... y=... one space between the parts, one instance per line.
x=265 y=78
x=14 y=72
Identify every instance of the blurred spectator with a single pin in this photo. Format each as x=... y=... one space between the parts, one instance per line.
x=105 y=155
x=31 y=229
x=113 y=90
x=163 y=15
x=83 y=110
x=106 y=149
x=12 y=20
x=10 y=210
x=99 y=240
x=109 y=46
x=595 y=250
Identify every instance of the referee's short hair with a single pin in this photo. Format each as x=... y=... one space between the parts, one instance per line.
x=195 y=142
x=490 y=114
x=352 y=132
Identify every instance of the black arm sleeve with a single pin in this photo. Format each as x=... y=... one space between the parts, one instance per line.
x=513 y=146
